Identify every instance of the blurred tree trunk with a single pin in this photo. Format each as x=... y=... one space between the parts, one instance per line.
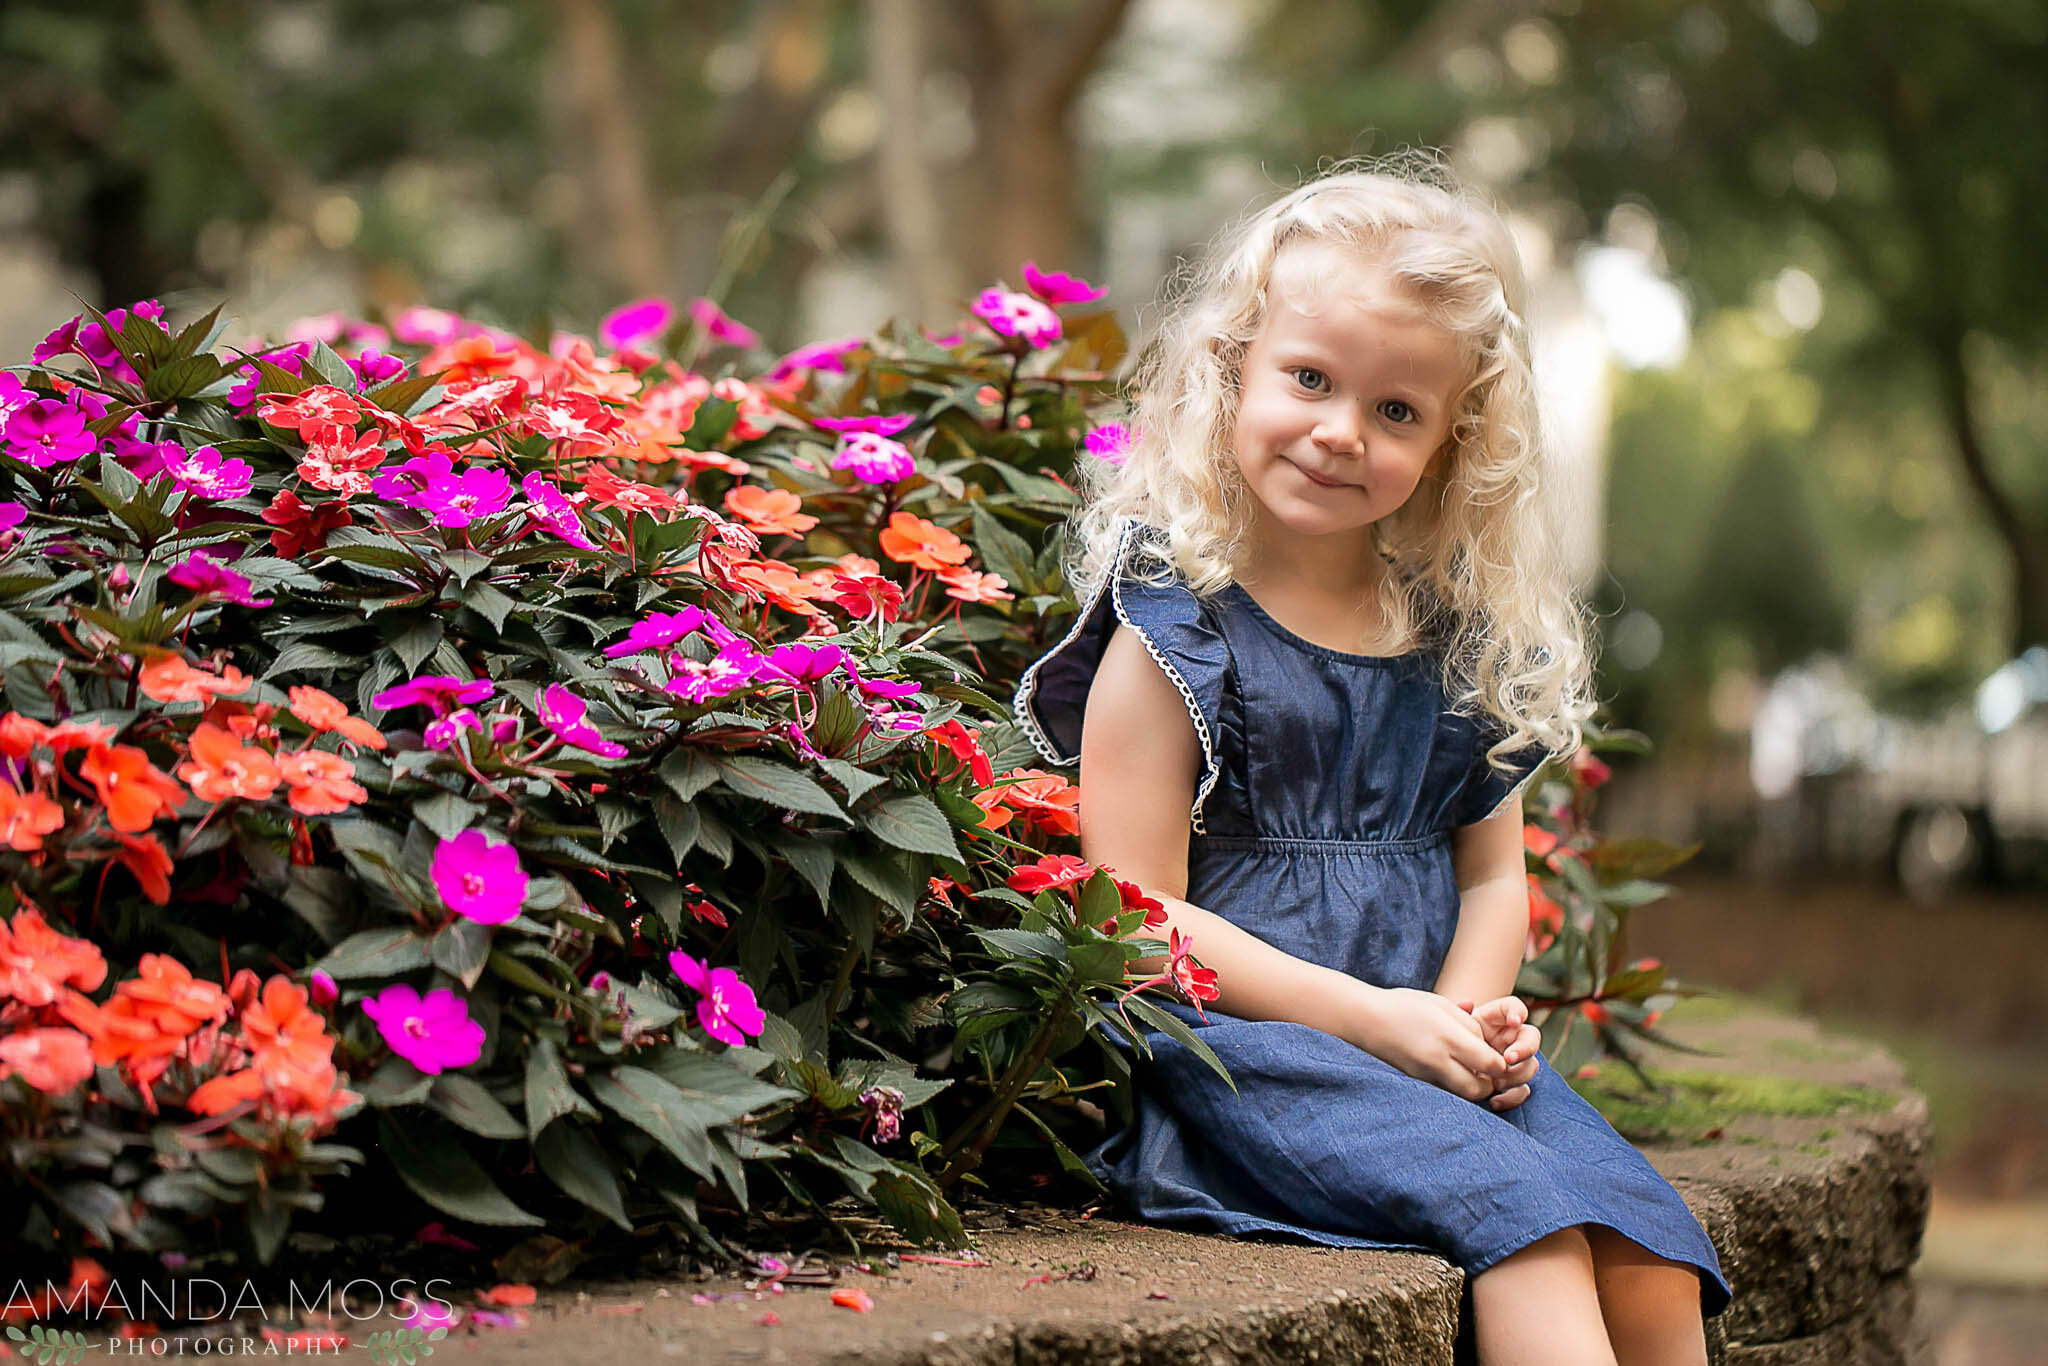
x=923 y=271
x=2025 y=547
x=616 y=165
x=1026 y=69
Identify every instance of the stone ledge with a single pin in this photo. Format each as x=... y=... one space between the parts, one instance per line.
x=1817 y=1219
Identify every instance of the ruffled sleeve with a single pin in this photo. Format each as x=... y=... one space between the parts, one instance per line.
x=1176 y=629
x=1487 y=789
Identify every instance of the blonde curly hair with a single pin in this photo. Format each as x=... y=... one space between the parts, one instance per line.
x=1477 y=566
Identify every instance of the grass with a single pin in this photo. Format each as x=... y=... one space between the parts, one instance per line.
x=1689 y=1106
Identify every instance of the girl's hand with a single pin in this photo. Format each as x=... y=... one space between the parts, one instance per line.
x=1432 y=1040
x=1505 y=1025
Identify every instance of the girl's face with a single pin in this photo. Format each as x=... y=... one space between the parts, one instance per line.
x=1345 y=396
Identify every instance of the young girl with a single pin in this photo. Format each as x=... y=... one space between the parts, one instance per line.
x=1328 y=636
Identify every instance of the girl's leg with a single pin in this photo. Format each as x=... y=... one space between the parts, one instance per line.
x=1651 y=1306
x=1540 y=1306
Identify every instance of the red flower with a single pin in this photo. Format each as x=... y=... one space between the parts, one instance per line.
x=323 y=405
x=145 y=857
x=133 y=790
x=965 y=746
x=25 y=817
x=1588 y=769
x=1045 y=800
x=866 y=595
x=1546 y=918
x=301 y=526
x=1054 y=870
x=1195 y=983
x=708 y=913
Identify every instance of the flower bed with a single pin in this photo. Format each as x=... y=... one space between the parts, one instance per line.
x=566 y=782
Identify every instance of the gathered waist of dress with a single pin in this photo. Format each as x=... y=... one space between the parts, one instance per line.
x=1289 y=844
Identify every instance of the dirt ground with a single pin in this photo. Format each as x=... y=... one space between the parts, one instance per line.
x=1957 y=989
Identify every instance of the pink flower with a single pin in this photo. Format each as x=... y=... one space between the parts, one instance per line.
x=322 y=988
x=1010 y=314
x=562 y=712
x=203 y=574
x=726 y=1007
x=719 y=326
x=658 y=631
x=204 y=472
x=427 y=326
x=731 y=669
x=636 y=322
x=456 y=500
x=1110 y=442
x=479 y=879
x=47 y=432
x=433 y=1034
x=551 y=508
x=817 y=356
x=874 y=459
x=1057 y=287
x=805 y=663
x=881 y=424
x=442 y=692
x=443 y=732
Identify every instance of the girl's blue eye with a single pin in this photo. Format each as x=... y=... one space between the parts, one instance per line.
x=1398 y=412
x=1315 y=381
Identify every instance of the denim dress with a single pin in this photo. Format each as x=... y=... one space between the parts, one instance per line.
x=1330 y=787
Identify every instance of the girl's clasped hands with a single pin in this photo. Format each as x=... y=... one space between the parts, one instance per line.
x=1484 y=1053
x=1508 y=1032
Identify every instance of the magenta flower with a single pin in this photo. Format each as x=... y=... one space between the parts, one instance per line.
x=731 y=669
x=404 y=483
x=1111 y=442
x=12 y=515
x=804 y=663
x=456 y=500
x=90 y=340
x=1057 y=287
x=881 y=424
x=204 y=472
x=882 y=716
x=1010 y=314
x=14 y=396
x=719 y=325
x=881 y=687
x=433 y=1034
x=563 y=712
x=290 y=359
x=479 y=879
x=551 y=508
x=144 y=459
x=442 y=692
x=204 y=574
x=726 y=1007
x=372 y=367
x=45 y=432
x=444 y=731
x=817 y=356
x=427 y=326
x=658 y=631
x=636 y=322
x=322 y=988
x=874 y=459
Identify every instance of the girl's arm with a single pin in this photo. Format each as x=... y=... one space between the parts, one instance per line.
x=1139 y=763
x=1493 y=909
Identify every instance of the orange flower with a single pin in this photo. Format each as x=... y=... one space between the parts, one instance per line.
x=25 y=817
x=778 y=583
x=508 y=1296
x=1546 y=919
x=292 y=1060
x=50 y=1060
x=19 y=734
x=776 y=511
x=1045 y=800
x=69 y=735
x=37 y=962
x=168 y=678
x=971 y=585
x=608 y=490
x=145 y=857
x=322 y=712
x=223 y=767
x=133 y=790
x=149 y=1018
x=322 y=783
x=910 y=539
x=994 y=815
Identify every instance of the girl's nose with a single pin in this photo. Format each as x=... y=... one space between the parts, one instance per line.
x=1340 y=428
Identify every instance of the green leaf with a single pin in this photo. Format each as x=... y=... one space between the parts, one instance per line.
x=181 y=378
x=464 y=1100
x=857 y=781
x=687 y=772
x=415 y=641
x=574 y=1160
x=656 y=1108
x=549 y=1092
x=446 y=814
x=776 y=784
x=384 y=952
x=884 y=876
x=1004 y=551
x=401 y=395
x=1025 y=944
x=431 y=1160
x=1174 y=1028
x=395 y=1082
x=813 y=860
x=301 y=655
x=461 y=948
x=910 y=820
x=679 y=824
x=465 y=564
x=665 y=895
